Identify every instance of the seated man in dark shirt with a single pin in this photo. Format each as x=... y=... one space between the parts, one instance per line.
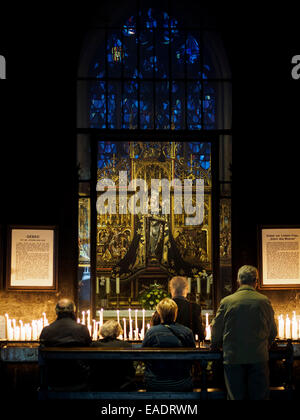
x=66 y=332
x=114 y=375
x=168 y=375
x=189 y=313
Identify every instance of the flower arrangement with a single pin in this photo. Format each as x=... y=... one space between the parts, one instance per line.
x=152 y=295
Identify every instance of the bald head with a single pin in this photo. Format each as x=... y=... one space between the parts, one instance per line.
x=65 y=306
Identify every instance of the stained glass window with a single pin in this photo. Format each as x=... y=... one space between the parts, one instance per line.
x=153 y=74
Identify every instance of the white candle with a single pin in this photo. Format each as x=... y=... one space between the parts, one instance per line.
x=101 y=317
x=107 y=285
x=124 y=329
x=118 y=285
x=22 y=331
x=88 y=318
x=280 y=327
x=287 y=327
x=294 y=327
x=189 y=285
x=28 y=332
x=148 y=326
x=118 y=316
x=136 y=319
x=34 y=331
x=83 y=317
x=198 y=285
x=17 y=333
x=130 y=330
x=143 y=326
x=208 y=333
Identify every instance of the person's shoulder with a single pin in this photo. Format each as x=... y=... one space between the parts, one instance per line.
x=182 y=328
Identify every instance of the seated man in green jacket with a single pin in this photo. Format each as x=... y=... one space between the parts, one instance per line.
x=245 y=328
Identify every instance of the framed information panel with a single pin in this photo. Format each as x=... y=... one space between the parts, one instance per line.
x=279 y=257
x=32 y=258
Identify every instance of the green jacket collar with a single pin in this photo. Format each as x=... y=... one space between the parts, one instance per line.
x=246 y=287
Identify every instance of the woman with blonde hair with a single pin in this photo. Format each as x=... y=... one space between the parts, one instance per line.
x=168 y=375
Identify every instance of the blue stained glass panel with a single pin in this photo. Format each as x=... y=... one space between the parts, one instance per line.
x=162 y=106
x=97 y=109
x=209 y=107
x=147 y=57
x=178 y=106
x=162 y=54
x=114 y=114
x=130 y=105
x=194 y=106
x=200 y=152
x=115 y=53
x=126 y=104
x=106 y=152
x=146 y=105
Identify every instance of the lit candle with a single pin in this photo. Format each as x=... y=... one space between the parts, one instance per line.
x=294 y=327
x=94 y=330
x=88 y=317
x=34 y=331
x=125 y=334
x=107 y=285
x=287 y=327
x=148 y=326
x=280 y=327
x=130 y=330
x=17 y=333
x=198 y=285
x=101 y=317
x=28 y=332
x=22 y=331
x=118 y=285
x=189 y=284
x=143 y=325
x=207 y=329
x=136 y=319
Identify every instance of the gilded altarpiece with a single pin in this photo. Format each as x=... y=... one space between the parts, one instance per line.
x=132 y=247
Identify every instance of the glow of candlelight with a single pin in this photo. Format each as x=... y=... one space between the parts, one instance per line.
x=287 y=327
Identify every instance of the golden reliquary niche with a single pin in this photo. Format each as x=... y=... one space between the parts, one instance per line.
x=136 y=254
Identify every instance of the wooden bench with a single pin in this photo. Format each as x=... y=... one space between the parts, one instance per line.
x=202 y=356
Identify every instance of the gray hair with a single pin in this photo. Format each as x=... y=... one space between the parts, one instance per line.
x=247 y=274
x=65 y=306
x=111 y=329
x=178 y=285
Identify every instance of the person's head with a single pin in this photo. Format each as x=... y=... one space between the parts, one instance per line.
x=167 y=310
x=111 y=329
x=65 y=308
x=155 y=319
x=179 y=286
x=248 y=274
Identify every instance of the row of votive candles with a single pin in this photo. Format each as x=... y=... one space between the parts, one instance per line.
x=288 y=329
x=131 y=332
x=18 y=331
